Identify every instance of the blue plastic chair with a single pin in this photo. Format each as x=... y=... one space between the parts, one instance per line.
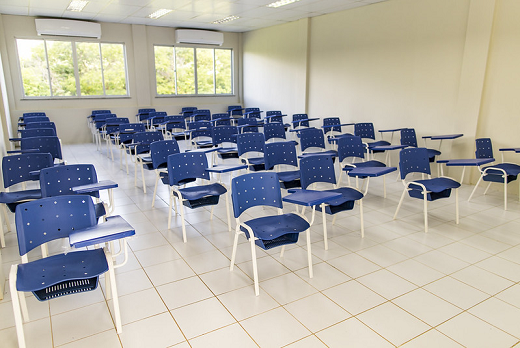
x=409 y=138
x=253 y=113
x=49 y=219
x=235 y=111
x=37 y=132
x=350 y=151
x=319 y=169
x=124 y=138
x=16 y=169
x=500 y=172
x=200 y=134
x=300 y=120
x=184 y=168
x=274 y=116
x=43 y=144
x=143 y=114
x=366 y=131
x=141 y=151
x=281 y=158
x=332 y=125
x=263 y=190
x=415 y=160
x=312 y=142
x=60 y=181
x=40 y=125
x=159 y=152
x=225 y=139
x=274 y=131
x=221 y=119
x=250 y=148
x=201 y=115
x=188 y=111
x=248 y=125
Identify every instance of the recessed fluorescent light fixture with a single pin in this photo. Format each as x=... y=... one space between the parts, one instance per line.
x=281 y=3
x=159 y=13
x=225 y=20
x=77 y=5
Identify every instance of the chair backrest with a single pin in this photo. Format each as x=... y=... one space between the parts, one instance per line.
x=364 y=130
x=274 y=119
x=160 y=150
x=331 y=121
x=249 y=142
x=224 y=134
x=40 y=125
x=144 y=139
x=59 y=180
x=43 y=220
x=318 y=168
x=36 y=119
x=484 y=149
x=49 y=144
x=255 y=189
x=235 y=110
x=251 y=121
x=188 y=111
x=33 y=114
x=96 y=112
x=253 y=112
x=408 y=137
x=201 y=115
x=221 y=119
x=157 y=113
x=274 y=130
x=312 y=137
x=175 y=122
x=101 y=119
x=299 y=117
x=112 y=124
x=350 y=146
x=37 y=132
x=18 y=168
x=186 y=166
x=199 y=125
x=131 y=128
x=140 y=111
x=281 y=152
x=414 y=160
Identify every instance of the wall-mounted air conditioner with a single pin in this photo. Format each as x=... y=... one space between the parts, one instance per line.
x=194 y=36
x=67 y=27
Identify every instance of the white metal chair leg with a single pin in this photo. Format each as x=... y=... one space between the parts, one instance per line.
x=115 y=298
x=255 y=268
x=324 y=218
x=362 y=221
x=425 y=201
x=309 y=253
x=282 y=251
x=475 y=188
x=228 y=211
x=183 y=222
x=399 y=204
x=155 y=187
x=16 y=306
x=487 y=188
x=457 y=206
x=505 y=192
x=234 y=252
x=142 y=175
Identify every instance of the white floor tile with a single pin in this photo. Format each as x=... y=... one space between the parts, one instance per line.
x=355 y=333
x=184 y=292
x=354 y=297
x=456 y=292
x=157 y=331
x=287 y=288
x=386 y=284
x=229 y=336
x=242 y=303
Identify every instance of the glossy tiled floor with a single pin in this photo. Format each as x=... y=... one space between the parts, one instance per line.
x=457 y=285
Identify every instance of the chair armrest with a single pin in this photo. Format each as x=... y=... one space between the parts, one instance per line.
x=101 y=185
x=114 y=228
x=310 y=198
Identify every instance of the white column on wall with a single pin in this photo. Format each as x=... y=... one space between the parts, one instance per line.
x=472 y=77
x=142 y=77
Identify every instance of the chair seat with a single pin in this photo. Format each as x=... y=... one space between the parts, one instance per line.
x=256 y=163
x=378 y=143
x=44 y=273
x=276 y=230
x=197 y=192
x=290 y=179
x=332 y=153
x=345 y=202
x=436 y=184
x=371 y=163
x=512 y=170
x=17 y=196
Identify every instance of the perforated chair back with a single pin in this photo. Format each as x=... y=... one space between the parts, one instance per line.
x=36 y=119
x=414 y=160
x=274 y=130
x=281 y=152
x=312 y=137
x=184 y=167
x=317 y=169
x=40 y=125
x=235 y=110
x=187 y=111
x=48 y=144
x=484 y=149
x=160 y=150
x=18 y=168
x=33 y=114
x=332 y=121
x=250 y=142
x=148 y=110
x=113 y=124
x=255 y=189
x=221 y=119
x=408 y=137
x=101 y=119
x=59 y=180
x=199 y=125
x=274 y=119
x=47 y=219
x=201 y=115
x=96 y=112
x=144 y=139
x=37 y=132
x=131 y=128
x=248 y=121
x=224 y=134
x=364 y=130
x=253 y=112
x=299 y=117
x=350 y=146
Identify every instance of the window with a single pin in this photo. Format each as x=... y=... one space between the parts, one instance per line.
x=193 y=71
x=72 y=69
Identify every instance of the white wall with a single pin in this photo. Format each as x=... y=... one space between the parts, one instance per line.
x=70 y=114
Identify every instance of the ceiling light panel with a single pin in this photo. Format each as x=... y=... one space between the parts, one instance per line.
x=77 y=5
x=225 y=20
x=281 y=3
x=159 y=13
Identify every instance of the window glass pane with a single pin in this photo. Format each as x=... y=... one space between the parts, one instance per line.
x=164 y=70
x=61 y=68
x=114 y=69
x=223 y=72
x=185 y=64
x=205 y=77
x=89 y=67
x=33 y=66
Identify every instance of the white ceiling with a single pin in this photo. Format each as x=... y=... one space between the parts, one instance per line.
x=186 y=13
